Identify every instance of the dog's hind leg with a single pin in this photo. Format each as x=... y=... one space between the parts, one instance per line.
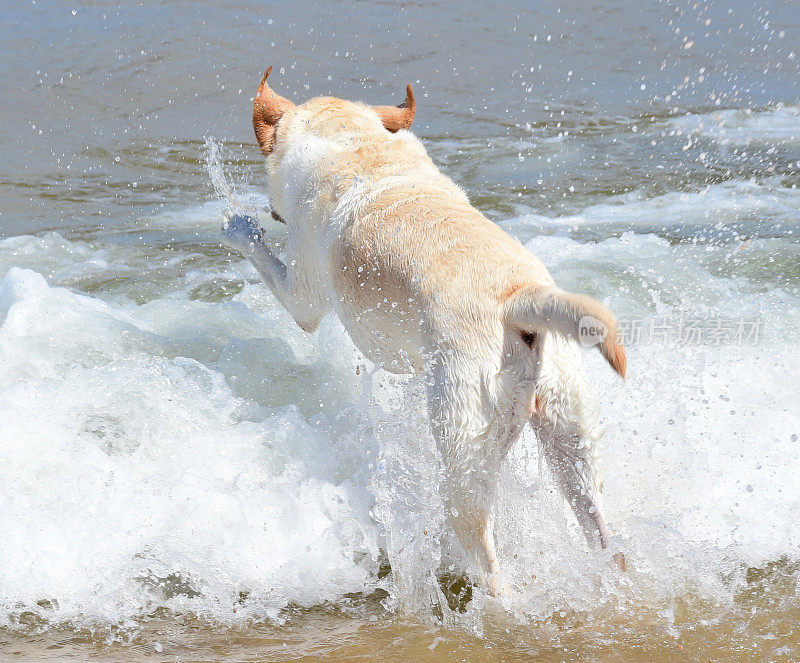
x=564 y=421
x=472 y=517
x=463 y=433
x=569 y=457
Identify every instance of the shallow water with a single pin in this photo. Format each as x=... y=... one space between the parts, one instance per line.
x=187 y=475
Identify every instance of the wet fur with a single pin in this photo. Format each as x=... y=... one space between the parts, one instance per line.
x=423 y=282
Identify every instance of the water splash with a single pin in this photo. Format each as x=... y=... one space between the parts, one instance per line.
x=225 y=189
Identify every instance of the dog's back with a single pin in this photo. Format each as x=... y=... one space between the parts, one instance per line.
x=402 y=255
x=408 y=255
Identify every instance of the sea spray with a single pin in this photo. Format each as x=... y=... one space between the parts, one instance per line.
x=223 y=187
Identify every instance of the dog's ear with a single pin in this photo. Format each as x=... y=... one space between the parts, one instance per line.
x=579 y=317
x=399 y=117
x=268 y=109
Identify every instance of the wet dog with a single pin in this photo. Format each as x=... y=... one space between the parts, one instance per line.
x=424 y=283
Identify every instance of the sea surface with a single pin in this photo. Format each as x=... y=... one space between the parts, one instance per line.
x=185 y=475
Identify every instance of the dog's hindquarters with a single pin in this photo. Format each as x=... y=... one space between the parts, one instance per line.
x=564 y=417
x=480 y=401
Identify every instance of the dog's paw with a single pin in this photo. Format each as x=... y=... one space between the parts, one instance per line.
x=497 y=588
x=240 y=233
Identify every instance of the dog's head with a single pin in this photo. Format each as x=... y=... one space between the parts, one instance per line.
x=322 y=116
x=296 y=138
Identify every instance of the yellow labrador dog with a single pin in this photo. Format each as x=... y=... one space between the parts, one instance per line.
x=424 y=283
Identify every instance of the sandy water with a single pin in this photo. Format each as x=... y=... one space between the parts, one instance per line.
x=188 y=476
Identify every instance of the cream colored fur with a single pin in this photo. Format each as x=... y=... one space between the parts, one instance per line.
x=423 y=282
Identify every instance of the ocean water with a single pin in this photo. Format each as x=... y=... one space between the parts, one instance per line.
x=186 y=475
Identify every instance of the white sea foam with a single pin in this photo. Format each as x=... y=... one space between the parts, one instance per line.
x=731 y=210
x=125 y=464
x=778 y=125
x=209 y=456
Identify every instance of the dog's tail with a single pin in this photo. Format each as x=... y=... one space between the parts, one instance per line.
x=536 y=308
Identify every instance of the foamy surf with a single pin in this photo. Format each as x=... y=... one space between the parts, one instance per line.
x=779 y=125
x=733 y=210
x=174 y=442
